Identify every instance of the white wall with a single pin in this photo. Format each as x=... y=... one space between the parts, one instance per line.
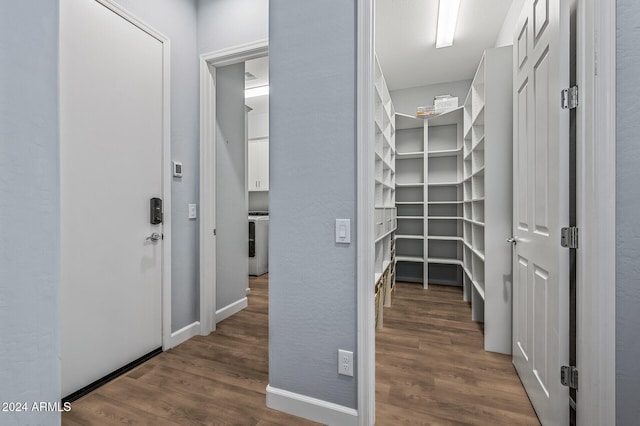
x=226 y=23
x=627 y=208
x=406 y=100
x=258 y=125
x=29 y=212
x=312 y=291
x=177 y=20
x=505 y=36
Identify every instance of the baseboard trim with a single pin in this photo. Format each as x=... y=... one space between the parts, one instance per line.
x=311 y=408
x=233 y=308
x=185 y=333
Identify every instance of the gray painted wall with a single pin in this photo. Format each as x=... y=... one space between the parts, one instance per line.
x=177 y=20
x=226 y=23
x=627 y=208
x=312 y=289
x=406 y=100
x=29 y=212
x=232 y=254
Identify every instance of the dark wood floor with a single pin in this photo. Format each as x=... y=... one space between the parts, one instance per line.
x=219 y=379
x=430 y=369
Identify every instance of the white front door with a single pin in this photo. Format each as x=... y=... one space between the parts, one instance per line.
x=541 y=206
x=111 y=126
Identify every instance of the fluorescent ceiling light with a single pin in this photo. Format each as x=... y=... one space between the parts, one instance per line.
x=256 y=91
x=447 y=18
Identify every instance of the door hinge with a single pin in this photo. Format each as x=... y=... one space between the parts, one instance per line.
x=569 y=237
x=214 y=231
x=569 y=376
x=569 y=98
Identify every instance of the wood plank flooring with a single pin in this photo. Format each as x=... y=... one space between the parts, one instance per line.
x=219 y=379
x=430 y=369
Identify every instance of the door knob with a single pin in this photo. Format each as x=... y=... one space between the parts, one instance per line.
x=154 y=237
x=512 y=240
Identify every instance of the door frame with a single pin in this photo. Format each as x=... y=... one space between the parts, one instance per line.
x=596 y=182
x=208 y=64
x=365 y=194
x=166 y=161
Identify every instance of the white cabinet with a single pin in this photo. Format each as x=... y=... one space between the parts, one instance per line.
x=258 y=165
x=487 y=172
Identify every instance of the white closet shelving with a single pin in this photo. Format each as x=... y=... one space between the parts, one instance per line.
x=411 y=189
x=487 y=192
x=385 y=189
x=429 y=198
x=445 y=198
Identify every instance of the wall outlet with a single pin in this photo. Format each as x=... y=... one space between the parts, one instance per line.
x=345 y=362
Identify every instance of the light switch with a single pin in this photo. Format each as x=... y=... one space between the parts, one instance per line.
x=193 y=211
x=343 y=231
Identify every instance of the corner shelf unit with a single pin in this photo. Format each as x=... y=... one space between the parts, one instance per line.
x=385 y=189
x=411 y=197
x=487 y=192
x=445 y=198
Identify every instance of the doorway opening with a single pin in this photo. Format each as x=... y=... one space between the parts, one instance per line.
x=454 y=192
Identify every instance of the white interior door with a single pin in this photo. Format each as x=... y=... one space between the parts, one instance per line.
x=111 y=117
x=541 y=206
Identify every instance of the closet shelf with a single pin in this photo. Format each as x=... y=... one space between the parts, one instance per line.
x=475 y=222
x=415 y=259
x=445 y=152
x=444 y=261
x=409 y=155
x=480 y=141
x=410 y=217
x=478 y=253
x=444 y=238
x=445 y=218
x=478 y=288
x=386 y=234
x=445 y=202
x=409 y=237
x=445 y=184
x=409 y=185
x=409 y=203
x=480 y=171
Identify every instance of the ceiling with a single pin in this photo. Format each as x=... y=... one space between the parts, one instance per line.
x=406 y=38
x=260 y=69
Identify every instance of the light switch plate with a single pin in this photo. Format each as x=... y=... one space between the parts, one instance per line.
x=193 y=211
x=343 y=231
x=177 y=169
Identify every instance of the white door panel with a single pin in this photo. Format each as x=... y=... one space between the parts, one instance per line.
x=541 y=206
x=111 y=95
